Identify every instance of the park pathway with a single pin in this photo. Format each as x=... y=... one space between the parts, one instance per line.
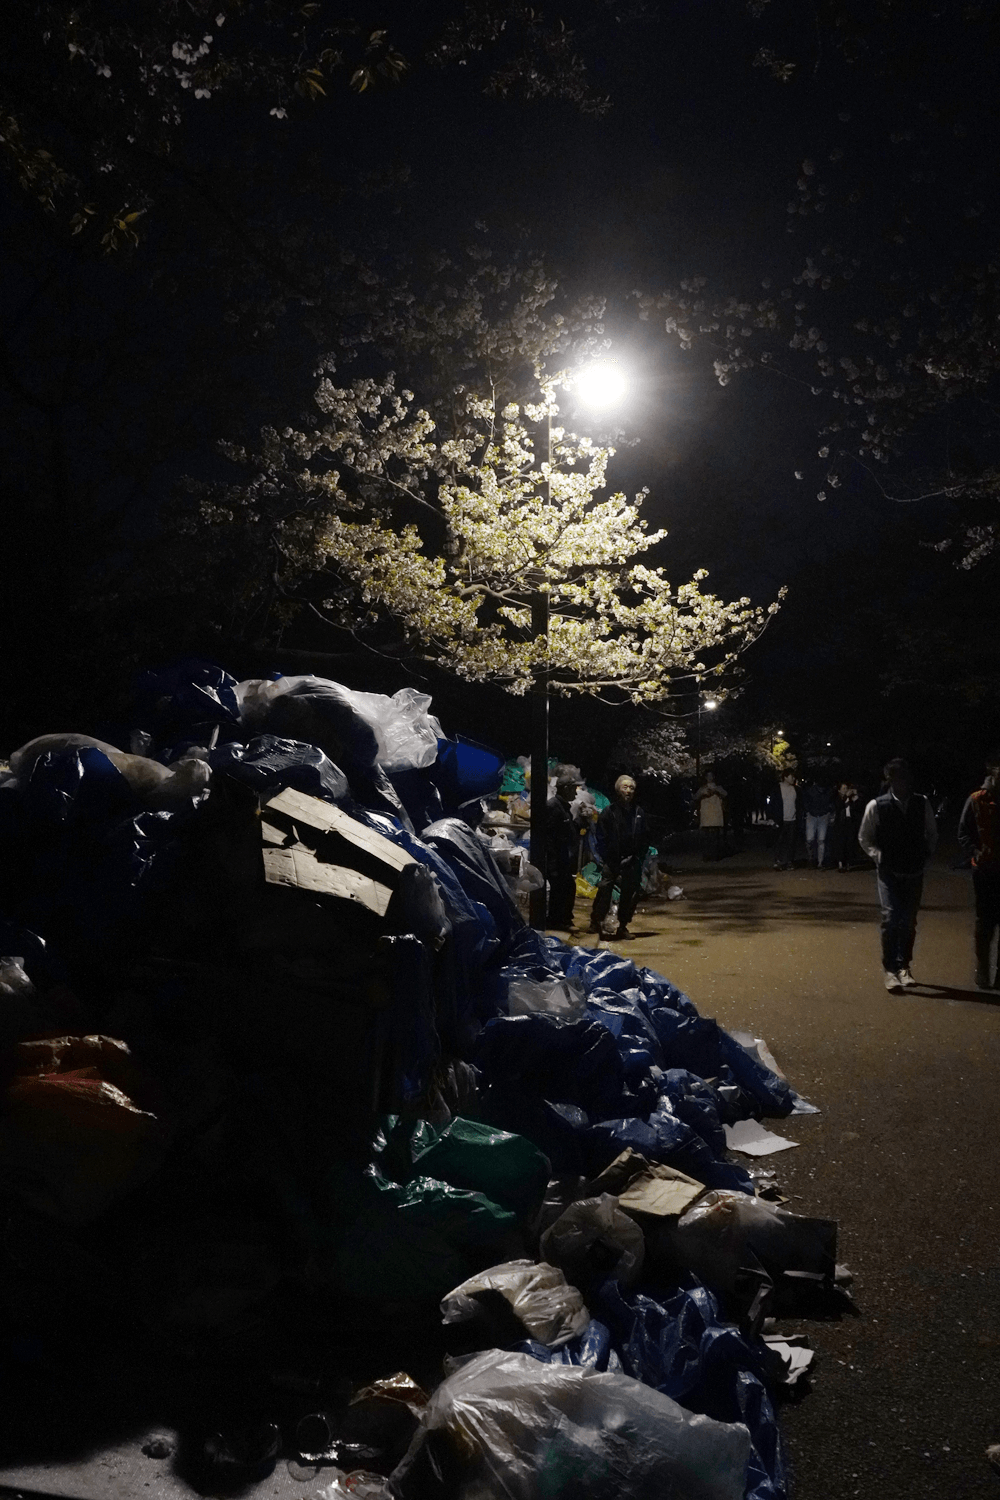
x=904 y=1155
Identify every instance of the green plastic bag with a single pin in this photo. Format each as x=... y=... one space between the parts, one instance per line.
x=506 y=1168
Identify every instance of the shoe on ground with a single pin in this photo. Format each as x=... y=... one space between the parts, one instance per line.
x=906 y=979
x=623 y=935
x=892 y=983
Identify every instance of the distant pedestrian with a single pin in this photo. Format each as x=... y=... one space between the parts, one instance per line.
x=979 y=840
x=711 y=800
x=898 y=832
x=623 y=840
x=562 y=841
x=846 y=822
x=819 y=805
x=784 y=809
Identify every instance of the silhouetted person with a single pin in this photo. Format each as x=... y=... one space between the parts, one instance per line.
x=562 y=840
x=784 y=809
x=898 y=832
x=846 y=822
x=979 y=840
x=819 y=806
x=711 y=800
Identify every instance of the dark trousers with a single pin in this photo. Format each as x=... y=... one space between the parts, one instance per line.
x=986 y=887
x=899 y=896
x=627 y=876
x=784 y=850
x=562 y=895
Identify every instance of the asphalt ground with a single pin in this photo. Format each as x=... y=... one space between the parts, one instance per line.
x=904 y=1398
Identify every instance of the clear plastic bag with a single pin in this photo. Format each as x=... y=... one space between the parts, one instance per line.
x=726 y=1232
x=594 y=1239
x=551 y=1310
x=406 y=734
x=556 y=997
x=525 y=1429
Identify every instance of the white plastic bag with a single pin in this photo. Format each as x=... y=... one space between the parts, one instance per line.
x=588 y=1234
x=406 y=734
x=528 y=1429
x=553 y=997
x=551 y=1310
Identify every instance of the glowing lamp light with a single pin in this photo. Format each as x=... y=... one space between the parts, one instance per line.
x=711 y=703
x=602 y=384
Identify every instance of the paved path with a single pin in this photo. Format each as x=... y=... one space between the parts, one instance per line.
x=904 y=1156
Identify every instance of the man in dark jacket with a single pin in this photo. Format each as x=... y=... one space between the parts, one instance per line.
x=979 y=840
x=898 y=832
x=622 y=839
x=562 y=843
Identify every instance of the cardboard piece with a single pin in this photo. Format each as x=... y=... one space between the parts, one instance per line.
x=646 y=1187
x=310 y=845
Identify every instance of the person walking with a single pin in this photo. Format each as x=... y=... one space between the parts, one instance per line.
x=622 y=838
x=846 y=822
x=783 y=806
x=711 y=801
x=898 y=832
x=979 y=840
x=562 y=840
x=819 y=805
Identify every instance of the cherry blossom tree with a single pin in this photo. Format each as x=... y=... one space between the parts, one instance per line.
x=377 y=522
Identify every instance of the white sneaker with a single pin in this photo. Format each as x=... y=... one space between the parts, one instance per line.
x=892 y=983
x=906 y=979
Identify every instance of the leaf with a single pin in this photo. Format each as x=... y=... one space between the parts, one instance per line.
x=360 y=79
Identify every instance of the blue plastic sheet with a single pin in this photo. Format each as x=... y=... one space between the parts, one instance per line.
x=540 y=1057
x=465 y=773
x=663 y=1138
x=682 y=1346
x=476 y=871
x=269 y=764
x=186 y=694
x=592 y=1347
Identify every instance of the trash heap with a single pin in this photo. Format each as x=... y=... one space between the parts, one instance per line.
x=282 y=1063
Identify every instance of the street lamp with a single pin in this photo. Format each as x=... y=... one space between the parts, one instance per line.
x=601 y=385
x=709 y=704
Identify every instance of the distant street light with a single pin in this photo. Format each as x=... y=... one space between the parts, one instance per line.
x=601 y=385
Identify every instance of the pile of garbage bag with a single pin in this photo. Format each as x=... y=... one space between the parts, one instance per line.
x=278 y=1050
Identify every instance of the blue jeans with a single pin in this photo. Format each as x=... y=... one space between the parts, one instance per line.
x=816 y=830
x=899 y=896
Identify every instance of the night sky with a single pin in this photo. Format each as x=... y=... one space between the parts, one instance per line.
x=692 y=172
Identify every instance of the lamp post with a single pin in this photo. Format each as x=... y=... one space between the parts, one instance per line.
x=601 y=384
x=709 y=704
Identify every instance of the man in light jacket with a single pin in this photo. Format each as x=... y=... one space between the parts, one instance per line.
x=898 y=832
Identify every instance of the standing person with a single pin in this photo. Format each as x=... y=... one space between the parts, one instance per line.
x=898 y=832
x=979 y=840
x=623 y=840
x=817 y=800
x=711 y=800
x=846 y=822
x=784 y=808
x=562 y=841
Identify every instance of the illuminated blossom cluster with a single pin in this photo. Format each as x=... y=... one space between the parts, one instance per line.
x=376 y=517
